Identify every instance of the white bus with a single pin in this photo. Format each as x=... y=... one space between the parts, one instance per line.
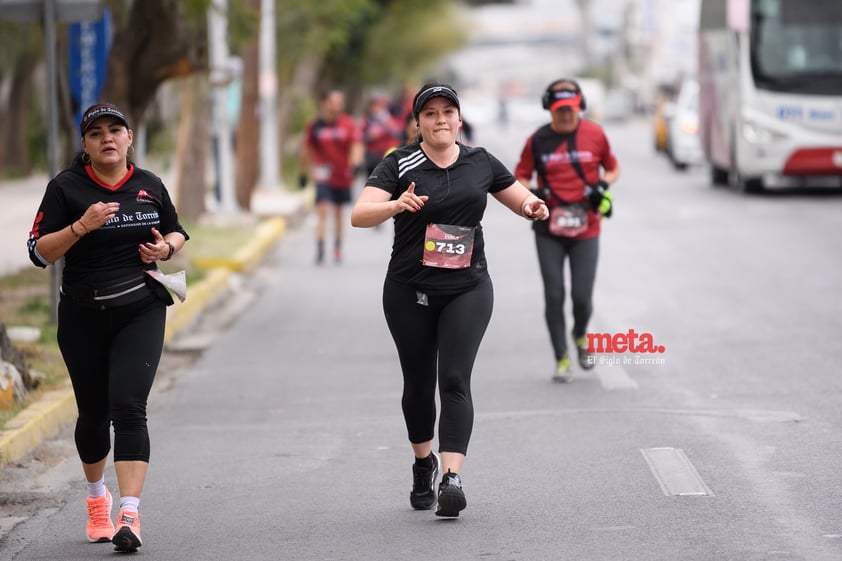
x=770 y=77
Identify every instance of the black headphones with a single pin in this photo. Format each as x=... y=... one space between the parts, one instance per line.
x=547 y=98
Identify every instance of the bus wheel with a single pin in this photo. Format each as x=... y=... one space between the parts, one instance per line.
x=718 y=176
x=752 y=185
x=745 y=184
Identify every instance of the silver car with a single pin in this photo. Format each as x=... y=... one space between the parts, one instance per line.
x=683 y=145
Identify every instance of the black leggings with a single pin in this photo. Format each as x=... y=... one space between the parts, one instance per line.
x=583 y=254
x=438 y=342
x=112 y=356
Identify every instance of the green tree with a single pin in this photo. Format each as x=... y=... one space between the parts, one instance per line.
x=21 y=49
x=351 y=44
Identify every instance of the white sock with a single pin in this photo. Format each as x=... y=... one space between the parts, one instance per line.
x=129 y=503
x=96 y=488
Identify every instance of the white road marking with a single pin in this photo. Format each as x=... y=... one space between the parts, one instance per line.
x=675 y=472
x=615 y=378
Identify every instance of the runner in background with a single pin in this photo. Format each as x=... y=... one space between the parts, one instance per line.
x=381 y=131
x=567 y=155
x=331 y=150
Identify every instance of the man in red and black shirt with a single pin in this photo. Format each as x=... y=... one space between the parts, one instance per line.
x=573 y=161
x=331 y=150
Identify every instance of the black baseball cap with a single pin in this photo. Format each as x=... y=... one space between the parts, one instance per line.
x=97 y=111
x=429 y=93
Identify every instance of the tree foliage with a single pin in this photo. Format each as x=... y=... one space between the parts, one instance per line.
x=21 y=49
x=154 y=41
x=350 y=44
x=409 y=39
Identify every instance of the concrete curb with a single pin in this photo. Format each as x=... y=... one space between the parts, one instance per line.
x=247 y=257
x=38 y=421
x=44 y=418
x=199 y=296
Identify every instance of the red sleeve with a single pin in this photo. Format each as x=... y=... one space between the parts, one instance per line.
x=356 y=130
x=308 y=134
x=526 y=165
x=608 y=161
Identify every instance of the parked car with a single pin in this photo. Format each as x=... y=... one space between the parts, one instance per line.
x=662 y=107
x=683 y=145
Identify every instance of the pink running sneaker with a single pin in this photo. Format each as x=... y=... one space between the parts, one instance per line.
x=127 y=538
x=99 y=528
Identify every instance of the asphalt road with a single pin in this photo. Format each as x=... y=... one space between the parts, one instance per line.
x=283 y=439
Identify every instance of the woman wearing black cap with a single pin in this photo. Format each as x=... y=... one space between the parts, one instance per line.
x=112 y=222
x=438 y=296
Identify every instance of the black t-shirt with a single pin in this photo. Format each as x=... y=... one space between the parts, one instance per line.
x=109 y=253
x=458 y=196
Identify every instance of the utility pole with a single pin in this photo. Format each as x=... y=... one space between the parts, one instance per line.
x=220 y=76
x=268 y=92
x=52 y=134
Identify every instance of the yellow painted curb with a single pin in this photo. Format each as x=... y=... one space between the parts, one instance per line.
x=247 y=257
x=199 y=295
x=44 y=418
x=57 y=408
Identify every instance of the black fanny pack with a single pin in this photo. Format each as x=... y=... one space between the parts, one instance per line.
x=119 y=294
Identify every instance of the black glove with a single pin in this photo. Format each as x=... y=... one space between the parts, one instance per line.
x=302 y=181
x=540 y=192
x=595 y=193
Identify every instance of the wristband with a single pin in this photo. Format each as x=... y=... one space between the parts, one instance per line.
x=171 y=253
x=73 y=231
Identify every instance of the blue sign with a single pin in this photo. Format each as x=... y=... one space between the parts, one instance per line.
x=89 y=44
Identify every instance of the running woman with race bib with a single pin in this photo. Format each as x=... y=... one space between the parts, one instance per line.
x=437 y=296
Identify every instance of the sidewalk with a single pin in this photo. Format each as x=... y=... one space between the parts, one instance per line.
x=19 y=200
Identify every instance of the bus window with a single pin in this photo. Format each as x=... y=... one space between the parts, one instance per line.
x=790 y=43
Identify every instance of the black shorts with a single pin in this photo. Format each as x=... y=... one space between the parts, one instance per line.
x=335 y=195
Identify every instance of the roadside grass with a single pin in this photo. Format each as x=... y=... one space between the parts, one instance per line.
x=26 y=300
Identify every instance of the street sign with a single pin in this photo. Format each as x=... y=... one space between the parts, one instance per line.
x=65 y=10
x=88 y=46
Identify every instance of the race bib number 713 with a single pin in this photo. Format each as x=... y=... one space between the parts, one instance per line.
x=448 y=247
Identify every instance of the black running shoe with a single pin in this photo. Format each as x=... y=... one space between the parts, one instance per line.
x=451 y=496
x=423 y=494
